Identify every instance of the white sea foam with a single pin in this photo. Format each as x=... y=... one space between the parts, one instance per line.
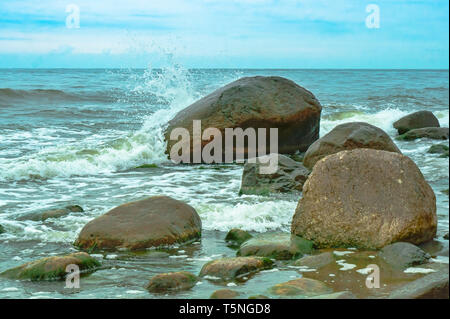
x=418 y=270
x=260 y=217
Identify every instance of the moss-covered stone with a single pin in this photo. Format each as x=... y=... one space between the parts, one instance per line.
x=224 y=294
x=173 y=281
x=236 y=237
x=280 y=246
x=438 y=149
x=231 y=268
x=52 y=268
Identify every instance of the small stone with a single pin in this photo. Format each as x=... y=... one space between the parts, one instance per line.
x=403 y=255
x=236 y=237
x=224 y=294
x=173 y=281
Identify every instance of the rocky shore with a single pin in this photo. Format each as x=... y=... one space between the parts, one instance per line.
x=361 y=202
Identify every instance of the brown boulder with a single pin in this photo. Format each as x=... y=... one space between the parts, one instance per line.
x=151 y=222
x=349 y=136
x=365 y=198
x=256 y=102
x=290 y=176
x=174 y=281
x=416 y=120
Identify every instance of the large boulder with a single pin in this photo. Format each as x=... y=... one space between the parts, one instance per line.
x=415 y=120
x=256 y=102
x=365 y=198
x=152 y=222
x=280 y=246
x=349 y=136
x=289 y=176
x=434 y=133
x=52 y=268
x=174 y=281
x=231 y=268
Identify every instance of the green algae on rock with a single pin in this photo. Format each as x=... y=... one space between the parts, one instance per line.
x=52 y=268
x=280 y=246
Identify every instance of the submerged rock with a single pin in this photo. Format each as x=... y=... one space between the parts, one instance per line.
x=52 y=268
x=256 y=102
x=152 y=222
x=173 y=281
x=336 y=295
x=403 y=255
x=276 y=246
x=431 y=286
x=349 y=136
x=53 y=213
x=224 y=294
x=438 y=149
x=290 y=176
x=316 y=261
x=435 y=133
x=302 y=286
x=446 y=236
x=2 y=230
x=231 y=268
x=365 y=198
x=416 y=120
x=235 y=237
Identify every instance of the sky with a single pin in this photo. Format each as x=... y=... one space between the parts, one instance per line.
x=410 y=34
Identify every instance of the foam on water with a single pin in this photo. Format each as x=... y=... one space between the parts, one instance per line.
x=260 y=217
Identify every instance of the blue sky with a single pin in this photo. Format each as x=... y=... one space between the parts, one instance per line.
x=225 y=34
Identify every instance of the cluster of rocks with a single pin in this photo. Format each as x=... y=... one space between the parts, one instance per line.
x=358 y=191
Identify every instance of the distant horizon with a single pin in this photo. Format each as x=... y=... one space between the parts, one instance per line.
x=234 y=68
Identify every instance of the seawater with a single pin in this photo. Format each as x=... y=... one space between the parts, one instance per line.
x=75 y=136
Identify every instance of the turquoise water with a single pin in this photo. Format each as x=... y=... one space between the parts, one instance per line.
x=76 y=136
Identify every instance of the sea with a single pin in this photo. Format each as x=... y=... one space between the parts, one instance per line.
x=78 y=136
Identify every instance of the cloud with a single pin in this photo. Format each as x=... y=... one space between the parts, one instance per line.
x=290 y=33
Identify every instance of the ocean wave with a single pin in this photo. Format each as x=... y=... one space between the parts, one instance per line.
x=88 y=157
x=383 y=119
x=8 y=96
